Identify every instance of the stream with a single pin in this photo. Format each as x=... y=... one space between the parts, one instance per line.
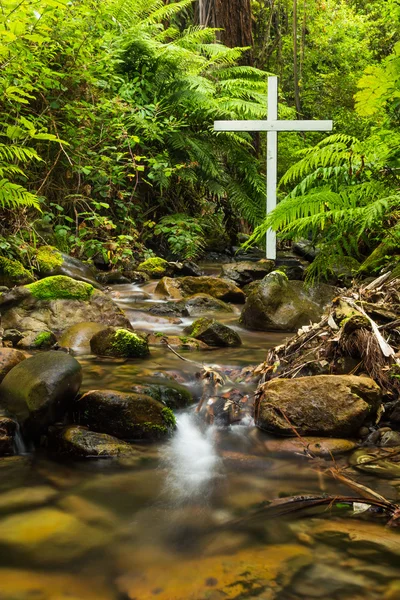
x=174 y=526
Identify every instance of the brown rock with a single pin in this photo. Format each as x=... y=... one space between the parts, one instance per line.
x=9 y=358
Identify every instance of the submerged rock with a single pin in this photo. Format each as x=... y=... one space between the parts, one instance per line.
x=50 y=261
x=327 y=405
x=277 y=304
x=77 y=337
x=213 y=333
x=9 y=358
x=174 y=396
x=195 y=305
x=123 y=415
x=324 y=447
x=120 y=343
x=80 y=442
x=39 y=390
x=188 y=286
x=47 y=536
x=176 y=341
x=12 y=272
x=113 y=278
x=56 y=303
x=245 y=272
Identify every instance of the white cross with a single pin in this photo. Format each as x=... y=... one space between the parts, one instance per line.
x=272 y=126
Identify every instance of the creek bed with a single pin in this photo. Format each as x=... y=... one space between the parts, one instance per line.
x=174 y=526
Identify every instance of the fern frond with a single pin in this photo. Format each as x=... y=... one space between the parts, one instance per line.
x=16 y=196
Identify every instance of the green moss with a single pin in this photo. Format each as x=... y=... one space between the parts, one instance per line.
x=154 y=266
x=44 y=338
x=169 y=417
x=12 y=272
x=127 y=343
x=159 y=334
x=60 y=287
x=48 y=258
x=199 y=325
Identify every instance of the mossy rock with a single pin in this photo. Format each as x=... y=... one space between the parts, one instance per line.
x=60 y=287
x=33 y=340
x=174 y=396
x=120 y=343
x=80 y=442
x=50 y=261
x=156 y=267
x=213 y=333
x=12 y=273
x=182 y=287
x=126 y=416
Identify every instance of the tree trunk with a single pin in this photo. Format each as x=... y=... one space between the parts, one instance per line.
x=233 y=17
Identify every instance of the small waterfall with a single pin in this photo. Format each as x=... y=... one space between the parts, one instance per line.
x=192 y=461
x=20 y=447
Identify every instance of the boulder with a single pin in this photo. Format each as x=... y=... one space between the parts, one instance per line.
x=156 y=267
x=77 y=337
x=12 y=272
x=245 y=272
x=169 y=309
x=199 y=304
x=112 y=278
x=322 y=405
x=186 y=269
x=291 y=266
x=135 y=276
x=56 y=303
x=47 y=536
x=124 y=415
x=277 y=304
x=9 y=358
x=50 y=261
x=120 y=343
x=12 y=336
x=38 y=391
x=173 y=395
x=213 y=333
x=80 y=442
x=182 y=287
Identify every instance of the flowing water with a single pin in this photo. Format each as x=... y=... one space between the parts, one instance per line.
x=175 y=526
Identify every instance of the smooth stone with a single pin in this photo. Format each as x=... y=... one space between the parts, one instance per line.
x=80 y=442
x=174 y=396
x=327 y=405
x=245 y=272
x=119 y=343
x=9 y=358
x=188 y=286
x=278 y=304
x=390 y=439
x=38 y=391
x=213 y=333
x=369 y=461
x=325 y=581
x=112 y=278
x=176 y=341
x=324 y=447
x=77 y=337
x=127 y=416
x=47 y=536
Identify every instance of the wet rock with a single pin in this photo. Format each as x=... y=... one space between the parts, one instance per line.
x=305 y=249
x=56 y=303
x=369 y=541
x=156 y=267
x=39 y=390
x=123 y=415
x=112 y=278
x=19 y=584
x=277 y=304
x=50 y=261
x=47 y=536
x=12 y=272
x=324 y=447
x=213 y=333
x=169 y=309
x=376 y=462
x=327 y=405
x=325 y=581
x=77 y=337
x=172 y=395
x=80 y=442
x=136 y=276
x=13 y=336
x=390 y=438
x=199 y=304
x=24 y=498
x=9 y=358
x=188 y=286
x=291 y=266
x=37 y=340
x=119 y=343
x=186 y=269
x=245 y=272
x=255 y=571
